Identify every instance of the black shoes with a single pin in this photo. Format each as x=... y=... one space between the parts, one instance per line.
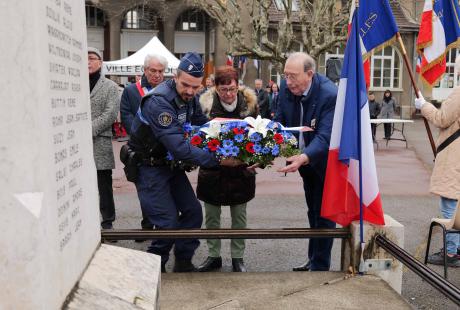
x=184 y=266
x=438 y=259
x=304 y=267
x=211 y=263
x=238 y=265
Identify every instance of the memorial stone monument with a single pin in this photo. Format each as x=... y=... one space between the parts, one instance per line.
x=49 y=214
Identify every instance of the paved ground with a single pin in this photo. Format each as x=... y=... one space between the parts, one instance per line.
x=277 y=290
x=404 y=181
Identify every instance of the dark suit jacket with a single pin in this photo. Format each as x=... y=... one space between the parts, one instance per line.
x=263 y=102
x=130 y=101
x=318 y=108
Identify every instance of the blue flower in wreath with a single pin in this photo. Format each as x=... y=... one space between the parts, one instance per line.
x=255 y=137
x=287 y=135
x=239 y=138
x=276 y=150
x=257 y=148
x=227 y=143
x=235 y=151
x=266 y=150
x=187 y=127
x=225 y=151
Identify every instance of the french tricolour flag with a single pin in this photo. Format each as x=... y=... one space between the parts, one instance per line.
x=351 y=159
x=439 y=31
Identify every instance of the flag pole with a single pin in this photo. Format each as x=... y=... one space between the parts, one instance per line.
x=411 y=74
x=360 y=167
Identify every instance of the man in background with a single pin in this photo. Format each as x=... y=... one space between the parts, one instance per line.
x=154 y=68
x=105 y=101
x=262 y=99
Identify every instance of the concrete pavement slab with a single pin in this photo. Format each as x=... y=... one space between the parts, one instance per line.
x=277 y=290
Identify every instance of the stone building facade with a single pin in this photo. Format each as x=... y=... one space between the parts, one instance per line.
x=121 y=27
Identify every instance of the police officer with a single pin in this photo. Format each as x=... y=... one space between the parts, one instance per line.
x=166 y=195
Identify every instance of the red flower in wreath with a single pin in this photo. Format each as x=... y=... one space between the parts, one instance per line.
x=196 y=140
x=250 y=147
x=213 y=145
x=237 y=131
x=278 y=138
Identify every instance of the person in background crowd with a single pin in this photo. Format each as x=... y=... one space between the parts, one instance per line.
x=232 y=186
x=273 y=99
x=209 y=83
x=308 y=99
x=158 y=133
x=154 y=68
x=268 y=91
x=105 y=101
x=262 y=99
x=374 y=111
x=387 y=111
x=445 y=179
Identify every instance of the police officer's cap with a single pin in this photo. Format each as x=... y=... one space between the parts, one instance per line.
x=192 y=64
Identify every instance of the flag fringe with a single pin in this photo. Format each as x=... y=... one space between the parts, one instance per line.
x=390 y=42
x=439 y=59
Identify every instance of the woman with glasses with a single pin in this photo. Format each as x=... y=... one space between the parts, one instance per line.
x=226 y=186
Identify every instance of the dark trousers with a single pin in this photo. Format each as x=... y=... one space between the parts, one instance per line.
x=387 y=129
x=168 y=200
x=106 y=203
x=374 y=129
x=145 y=223
x=319 y=249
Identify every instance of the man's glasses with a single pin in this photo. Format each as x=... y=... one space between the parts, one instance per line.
x=153 y=71
x=225 y=90
x=93 y=59
x=289 y=76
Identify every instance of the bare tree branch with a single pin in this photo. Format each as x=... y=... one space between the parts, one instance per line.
x=320 y=26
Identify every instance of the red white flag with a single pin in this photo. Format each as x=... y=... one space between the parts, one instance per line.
x=229 y=60
x=439 y=31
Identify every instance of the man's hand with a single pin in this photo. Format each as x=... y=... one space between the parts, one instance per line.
x=231 y=162
x=295 y=162
x=420 y=101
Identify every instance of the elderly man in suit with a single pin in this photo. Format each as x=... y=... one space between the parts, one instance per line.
x=105 y=102
x=308 y=99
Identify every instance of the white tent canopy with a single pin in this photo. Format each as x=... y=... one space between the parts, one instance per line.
x=134 y=64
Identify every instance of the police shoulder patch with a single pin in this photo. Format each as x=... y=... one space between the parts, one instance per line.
x=165 y=119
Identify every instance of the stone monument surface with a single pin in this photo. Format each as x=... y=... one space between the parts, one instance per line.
x=48 y=188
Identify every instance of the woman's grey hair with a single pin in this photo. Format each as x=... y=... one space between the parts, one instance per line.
x=161 y=59
x=308 y=61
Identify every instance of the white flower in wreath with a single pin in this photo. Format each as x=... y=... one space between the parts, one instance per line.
x=212 y=131
x=258 y=125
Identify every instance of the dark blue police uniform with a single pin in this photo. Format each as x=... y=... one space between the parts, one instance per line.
x=318 y=113
x=166 y=195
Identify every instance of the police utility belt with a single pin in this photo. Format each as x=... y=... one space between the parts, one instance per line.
x=133 y=160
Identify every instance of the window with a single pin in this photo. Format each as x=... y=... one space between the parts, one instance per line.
x=386 y=69
x=95 y=17
x=280 y=6
x=191 y=20
x=274 y=75
x=451 y=78
x=141 y=17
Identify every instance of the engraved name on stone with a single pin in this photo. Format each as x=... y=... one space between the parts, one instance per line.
x=65 y=58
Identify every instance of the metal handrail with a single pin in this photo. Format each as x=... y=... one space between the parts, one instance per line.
x=430 y=276
x=281 y=233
